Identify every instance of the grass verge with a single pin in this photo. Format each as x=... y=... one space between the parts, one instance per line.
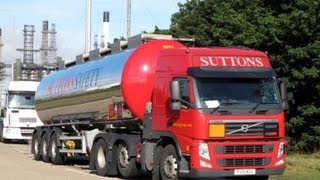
x=302 y=166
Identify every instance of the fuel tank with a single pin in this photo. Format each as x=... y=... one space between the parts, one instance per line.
x=93 y=86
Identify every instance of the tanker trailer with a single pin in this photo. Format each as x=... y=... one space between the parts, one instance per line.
x=106 y=95
x=168 y=110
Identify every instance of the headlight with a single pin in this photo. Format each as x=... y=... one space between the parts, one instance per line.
x=204 y=150
x=281 y=149
x=8 y=131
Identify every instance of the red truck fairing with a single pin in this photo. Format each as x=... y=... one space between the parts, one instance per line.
x=241 y=137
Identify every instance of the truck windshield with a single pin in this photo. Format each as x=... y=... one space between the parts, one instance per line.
x=237 y=93
x=23 y=101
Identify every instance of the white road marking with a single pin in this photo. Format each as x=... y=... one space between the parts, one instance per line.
x=96 y=176
x=18 y=150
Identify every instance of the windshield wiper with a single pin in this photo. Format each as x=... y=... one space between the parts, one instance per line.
x=256 y=107
x=220 y=109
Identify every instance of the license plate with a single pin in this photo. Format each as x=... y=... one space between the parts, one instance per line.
x=244 y=171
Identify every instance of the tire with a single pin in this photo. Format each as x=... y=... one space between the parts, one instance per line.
x=56 y=157
x=1 y=132
x=156 y=159
x=101 y=157
x=44 y=148
x=169 y=169
x=36 y=146
x=254 y=178
x=1 y=135
x=127 y=166
x=6 y=140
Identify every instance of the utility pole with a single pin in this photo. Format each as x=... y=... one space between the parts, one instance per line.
x=128 y=18
x=88 y=27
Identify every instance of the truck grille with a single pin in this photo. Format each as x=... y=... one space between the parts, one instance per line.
x=244 y=128
x=25 y=120
x=243 y=149
x=27 y=131
x=236 y=162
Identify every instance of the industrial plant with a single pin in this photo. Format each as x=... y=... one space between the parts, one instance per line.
x=27 y=69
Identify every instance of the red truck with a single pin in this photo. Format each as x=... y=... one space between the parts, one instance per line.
x=167 y=109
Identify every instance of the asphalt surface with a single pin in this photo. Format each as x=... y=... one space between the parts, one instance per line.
x=16 y=162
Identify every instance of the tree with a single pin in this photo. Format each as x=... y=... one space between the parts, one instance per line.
x=289 y=31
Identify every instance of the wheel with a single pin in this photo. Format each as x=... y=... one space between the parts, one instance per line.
x=156 y=159
x=169 y=164
x=56 y=157
x=36 y=146
x=101 y=157
x=253 y=178
x=1 y=132
x=4 y=140
x=263 y=177
x=44 y=148
x=127 y=165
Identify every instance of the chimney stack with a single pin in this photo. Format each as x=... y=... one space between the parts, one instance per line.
x=106 y=16
x=1 y=45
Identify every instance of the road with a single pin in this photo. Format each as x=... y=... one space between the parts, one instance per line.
x=16 y=162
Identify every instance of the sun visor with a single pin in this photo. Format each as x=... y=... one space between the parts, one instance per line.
x=231 y=72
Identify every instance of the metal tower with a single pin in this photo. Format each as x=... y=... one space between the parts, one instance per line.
x=52 y=46
x=44 y=45
x=49 y=47
x=102 y=44
x=128 y=18
x=95 y=43
x=28 y=34
x=2 y=65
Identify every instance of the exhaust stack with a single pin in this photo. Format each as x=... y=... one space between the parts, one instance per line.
x=106 y=27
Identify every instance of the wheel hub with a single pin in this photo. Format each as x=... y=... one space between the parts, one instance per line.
x=124 y=157
x=53 y=149
x=44 y=148
x=36 y=144
x=170 y=167
x=101 y=158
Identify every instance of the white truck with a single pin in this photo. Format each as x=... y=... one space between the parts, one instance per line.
x=18 y=115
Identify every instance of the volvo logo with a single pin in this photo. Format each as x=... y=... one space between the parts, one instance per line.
x=245 y=128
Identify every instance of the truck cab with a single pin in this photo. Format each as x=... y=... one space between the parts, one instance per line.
x=18 y=115
x=225 y=110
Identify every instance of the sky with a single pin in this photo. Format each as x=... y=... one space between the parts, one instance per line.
x=69 y=19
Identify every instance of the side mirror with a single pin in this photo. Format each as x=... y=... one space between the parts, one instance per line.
x=175 y=103
x=175 y=91
x=2 y=113
x=175 y=106
x=284 y=98
x=3 y=100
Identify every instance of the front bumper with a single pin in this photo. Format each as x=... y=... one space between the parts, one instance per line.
x=229 y=173
x=15 y=133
